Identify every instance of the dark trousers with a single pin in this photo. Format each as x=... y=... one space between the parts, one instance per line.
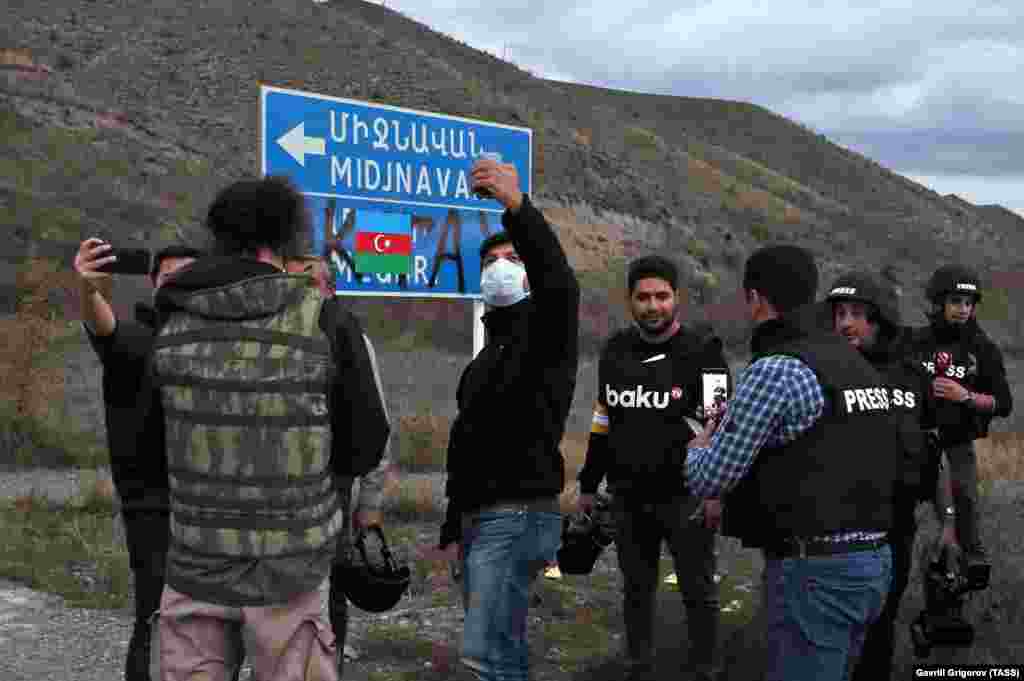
x=963 y=473
x=337 y=602
x=147 y=534
x=337 y=613
x=640 y=528
x=875 y=662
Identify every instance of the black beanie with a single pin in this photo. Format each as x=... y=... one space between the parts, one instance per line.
x=786 y=275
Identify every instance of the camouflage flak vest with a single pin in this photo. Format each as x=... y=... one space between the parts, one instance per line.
x=244 y=372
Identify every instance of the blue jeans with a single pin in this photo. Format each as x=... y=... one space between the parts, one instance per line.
x=818 y=610
x=503 y=551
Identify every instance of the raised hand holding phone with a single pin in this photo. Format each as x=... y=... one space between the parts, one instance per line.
x=127 y=261
x=714 y=395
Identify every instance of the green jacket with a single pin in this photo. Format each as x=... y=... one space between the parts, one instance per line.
x=244 y=372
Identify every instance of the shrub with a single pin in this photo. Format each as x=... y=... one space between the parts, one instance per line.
x=423 y=441
x=416 y=498
x=642 y=141
x=994 y=305
x=474 y=88
x=698 y=248
x=14 y=130
x=760 y=232
x=611 y=279
x=53 y=443
x=190 y=167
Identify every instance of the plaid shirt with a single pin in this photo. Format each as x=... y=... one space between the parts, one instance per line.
x=777 y=399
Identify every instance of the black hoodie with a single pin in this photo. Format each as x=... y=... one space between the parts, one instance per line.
x=134 y=417
x=514 y=397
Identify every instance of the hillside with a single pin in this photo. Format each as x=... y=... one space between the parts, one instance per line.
x=123 y=118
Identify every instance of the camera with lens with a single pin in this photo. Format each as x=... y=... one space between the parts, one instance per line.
x=947 y=585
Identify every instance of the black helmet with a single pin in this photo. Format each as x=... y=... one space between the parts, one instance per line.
x=374 y=585
x=863 y=287
x=953 y=279
x=584 y=537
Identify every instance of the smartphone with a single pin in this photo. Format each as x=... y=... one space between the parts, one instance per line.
x=484 y=193
x=129 y=261
x=714 y=390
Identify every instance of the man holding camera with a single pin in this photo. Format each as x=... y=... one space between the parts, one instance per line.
x=134 y=423
x=649 y=382
x=807 y=455
x=969 y=385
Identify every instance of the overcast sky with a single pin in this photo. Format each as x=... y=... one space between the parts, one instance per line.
x=933 y=90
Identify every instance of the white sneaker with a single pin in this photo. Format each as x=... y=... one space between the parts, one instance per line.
x=552 y=572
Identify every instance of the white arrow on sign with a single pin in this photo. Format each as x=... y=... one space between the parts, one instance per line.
x=298 y=145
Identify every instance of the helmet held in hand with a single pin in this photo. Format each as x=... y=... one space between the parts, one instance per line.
x=377 y=583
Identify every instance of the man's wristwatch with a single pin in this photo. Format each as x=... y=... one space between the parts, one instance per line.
x=949 y=512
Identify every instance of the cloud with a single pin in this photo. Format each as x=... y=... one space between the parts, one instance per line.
x=767 y=52
x=846 y=68
x=978 y=190
x=941 y=151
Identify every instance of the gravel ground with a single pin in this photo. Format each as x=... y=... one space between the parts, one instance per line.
x=41 y=638
x=58 y=485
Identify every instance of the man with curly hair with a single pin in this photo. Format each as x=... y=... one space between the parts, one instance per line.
x=271 y=408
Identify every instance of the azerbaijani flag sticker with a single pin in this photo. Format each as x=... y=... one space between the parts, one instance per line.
x=383 y=243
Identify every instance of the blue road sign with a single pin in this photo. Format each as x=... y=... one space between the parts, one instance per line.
x=355 y=160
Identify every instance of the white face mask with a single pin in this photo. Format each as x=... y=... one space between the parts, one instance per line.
x=502 y=283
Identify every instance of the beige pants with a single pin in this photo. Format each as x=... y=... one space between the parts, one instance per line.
x=196 y=641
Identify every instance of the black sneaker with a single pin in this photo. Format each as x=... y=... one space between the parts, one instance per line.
x=639 y=671
x=978 y=566
x=976 y=553
x=706 y=675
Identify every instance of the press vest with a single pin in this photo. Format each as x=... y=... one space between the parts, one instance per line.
x=957 y=423
x=907 y=383
x=838 y=475
x=248 y=432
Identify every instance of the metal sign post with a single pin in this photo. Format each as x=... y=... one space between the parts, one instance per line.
x=479 y=335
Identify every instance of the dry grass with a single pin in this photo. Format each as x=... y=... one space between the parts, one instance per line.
x=736 y=195
x=1001 y=457
x=423 y=441
x=416 y=498
x=29 y=379
x=589 y=246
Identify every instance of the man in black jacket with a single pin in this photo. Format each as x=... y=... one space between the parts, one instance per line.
x=866 y=313
x=135 y=429
x=970 y=385
x=649 y=383
x=505 y=469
